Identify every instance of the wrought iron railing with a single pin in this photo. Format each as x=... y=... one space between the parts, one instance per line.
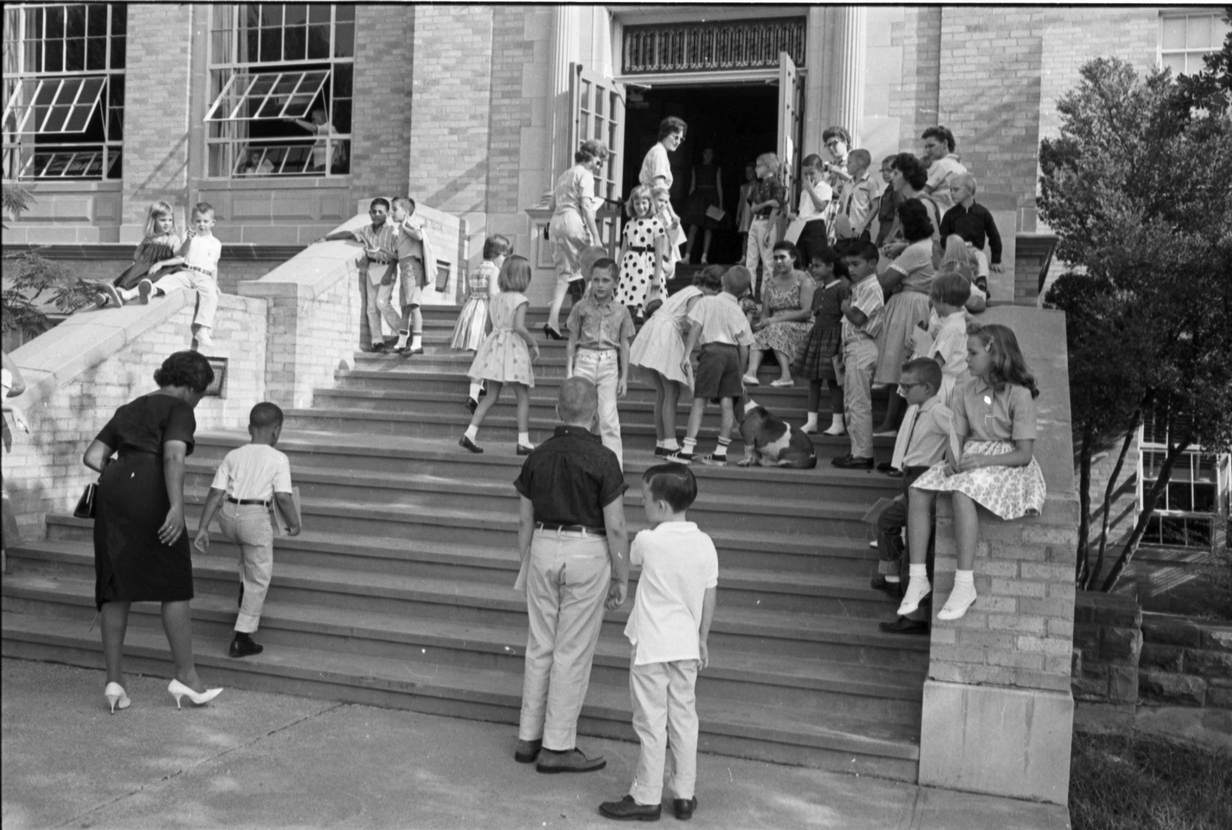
x=712 y=46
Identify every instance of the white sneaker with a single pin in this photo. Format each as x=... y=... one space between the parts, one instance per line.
x=918 y=587
x=203 y=338
x=782 y=382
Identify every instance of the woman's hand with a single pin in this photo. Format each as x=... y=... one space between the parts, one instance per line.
x=171 y=528
x=534 y=351
x=974 y=462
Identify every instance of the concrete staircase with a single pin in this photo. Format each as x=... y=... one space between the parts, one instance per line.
x=399 y=591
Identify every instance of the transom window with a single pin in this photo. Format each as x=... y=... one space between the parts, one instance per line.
x=280 y=84
x=64 y=90
x=1185 y=39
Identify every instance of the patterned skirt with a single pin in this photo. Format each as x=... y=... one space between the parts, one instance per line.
x=472 y=325
x=1006 y=492
x=815 y=359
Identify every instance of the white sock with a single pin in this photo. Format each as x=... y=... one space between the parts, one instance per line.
x=892 y=579
x=690 y=444
x=524 y=439
x=811 y=421
x=918 y=587
x=836 y=421
x=961 y=598
x=964 y=578
x=472 y=432
x=476 y=387
x=402 y=336
x=417 y=340
x=670 y=444
x=659 y=444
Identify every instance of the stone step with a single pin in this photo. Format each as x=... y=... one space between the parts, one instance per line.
x=814 y=688
x=834 y=637
x=770 y=733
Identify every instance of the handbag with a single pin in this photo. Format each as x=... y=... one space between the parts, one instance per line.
x=85 y=504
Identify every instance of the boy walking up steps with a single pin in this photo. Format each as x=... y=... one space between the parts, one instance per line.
x=247 y=479
x=668 y=629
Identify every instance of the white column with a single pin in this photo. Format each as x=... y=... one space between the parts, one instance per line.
x=843 y=100
x=564 y=34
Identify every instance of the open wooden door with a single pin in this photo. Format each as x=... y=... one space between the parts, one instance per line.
x=597 y=110
x=790 y=89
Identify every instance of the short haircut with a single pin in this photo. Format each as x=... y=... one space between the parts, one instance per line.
x=736 y=280
x=496 y=245
x=710 y=277
x=860 y=158
x=836 y=132
x=867 y=251
x=578 y=400
x=926 y=369
x=811 y=162
x=186 y=369
x=915 y=220
x=590 y=149
x=673 y=483
x=941 y=134
x=784 y=245
x=964 y=180
x=406 y=202
x=670 y=125
x=514 y=274
x=769 y=161
x=379 y=200
x=265 y=414
x=202 y=208
x=606 y=263
x=950 y=287
x=912 y=169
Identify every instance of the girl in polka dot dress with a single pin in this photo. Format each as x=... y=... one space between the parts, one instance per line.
x=643 y=252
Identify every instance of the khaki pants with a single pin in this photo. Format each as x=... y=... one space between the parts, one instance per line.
x=567 y=581
x=860 y=360
x=602 y=368
x=205 y=286
x=248 y=525
x=664 y=717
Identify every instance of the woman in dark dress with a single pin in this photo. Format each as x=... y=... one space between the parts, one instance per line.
x=141 y=550
x=706 y=192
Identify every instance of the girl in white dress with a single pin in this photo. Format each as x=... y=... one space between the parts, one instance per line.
x=644 y=251
x=506 y=354
x=472 y=324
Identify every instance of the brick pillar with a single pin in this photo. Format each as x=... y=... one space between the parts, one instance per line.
x=156 y=113
x=998 y=711
x=383 y=103
x=917 y=100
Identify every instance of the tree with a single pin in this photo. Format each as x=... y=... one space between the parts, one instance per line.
x=1138 y=187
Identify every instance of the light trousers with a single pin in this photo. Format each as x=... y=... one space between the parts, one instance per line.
x=665 y=719
x=248 y=525
x=378 y=305
x=759 y=247
x=860 y=361
x=206 y=287
x=602 y=368
x=567 y=581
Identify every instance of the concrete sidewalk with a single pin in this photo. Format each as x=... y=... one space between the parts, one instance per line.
x=251 y=759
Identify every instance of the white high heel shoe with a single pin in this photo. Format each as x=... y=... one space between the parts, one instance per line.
x=116 y=696
x=179 y=690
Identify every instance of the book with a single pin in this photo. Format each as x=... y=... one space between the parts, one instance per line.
x=716 y=213
x=280 y=521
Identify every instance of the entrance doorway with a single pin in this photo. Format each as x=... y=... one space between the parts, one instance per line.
x=739 y=122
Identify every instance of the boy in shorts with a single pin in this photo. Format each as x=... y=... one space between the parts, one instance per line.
x=414 y=260
x=725 y=337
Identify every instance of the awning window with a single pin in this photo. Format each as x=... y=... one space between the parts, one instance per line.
x=261 y=96
x=53 y=105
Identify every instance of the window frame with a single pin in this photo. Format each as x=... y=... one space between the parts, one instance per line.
x=1217 y=25
x=48 y=44
x=240 y=30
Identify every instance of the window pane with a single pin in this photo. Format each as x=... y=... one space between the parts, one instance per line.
x=1174 y=33
x=271 y=14
x=75 y=24
x=96 y=20
x=344 y=13
x=271 y=45
x=54 y=16
x=96 y=54
x=342 y=80
x=75 y=55
x=295 y=43
x=344 y=40
x=1176 y=63
x=1201 y=33
x=294 y=14
x=318 y=42
x=53 y=56
x=342 y=115
x=118 y=45
x=318 y=13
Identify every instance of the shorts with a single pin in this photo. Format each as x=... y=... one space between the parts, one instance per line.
x=718 y=372
x=413 y=278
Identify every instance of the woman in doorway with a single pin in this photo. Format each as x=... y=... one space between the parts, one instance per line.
x=573 y=227
x=657 y=169
x=705 y=192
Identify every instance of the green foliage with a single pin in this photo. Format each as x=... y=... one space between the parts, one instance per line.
x=33 y=284
x=1138 y=187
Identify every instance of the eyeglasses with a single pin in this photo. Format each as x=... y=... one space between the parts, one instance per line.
x=903 y=388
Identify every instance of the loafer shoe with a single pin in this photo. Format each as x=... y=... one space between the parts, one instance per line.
x=471 y=405
x=850 y=462
x=524 y=450
x=684 y=807
x=244 y=648
x=782 y=383
x=569 y=760
x=629 y=810
x=904 y=625
x=527 y=751
x=894 y=590
x=749 y=380
x=467 y=443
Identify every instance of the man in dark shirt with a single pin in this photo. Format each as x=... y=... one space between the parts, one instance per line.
x=574 y=547
x=973 y=223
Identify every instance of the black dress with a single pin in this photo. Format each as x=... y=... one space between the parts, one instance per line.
x=130 y=564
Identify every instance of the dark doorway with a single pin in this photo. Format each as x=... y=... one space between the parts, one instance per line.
x=739 y=122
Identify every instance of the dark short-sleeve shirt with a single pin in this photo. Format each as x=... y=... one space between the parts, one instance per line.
x=145 y=424
x=763 y=191
x=570 y=478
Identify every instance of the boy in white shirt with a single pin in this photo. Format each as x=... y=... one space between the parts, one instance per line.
x=199 y=258
x=247 y=479
x=668 y=628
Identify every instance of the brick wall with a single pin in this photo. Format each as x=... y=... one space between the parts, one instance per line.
x=1185 y=662
x=156 y=116
x=383 y=102
x=81 y=371
x=1107 y=645
x=916 y=101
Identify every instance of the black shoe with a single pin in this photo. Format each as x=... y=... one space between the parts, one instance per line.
x=894 y=590
x=663 y=451
x=244 y=646
x=629 y=810
x=850 y=462
x=527 y=751
x=467 y=443
x=885 y=467
x=904 y=625
x=379 y=348
x=471 y=405
x=551 y=333
x=568 y=760
x=524 y=450
x=684 y=807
